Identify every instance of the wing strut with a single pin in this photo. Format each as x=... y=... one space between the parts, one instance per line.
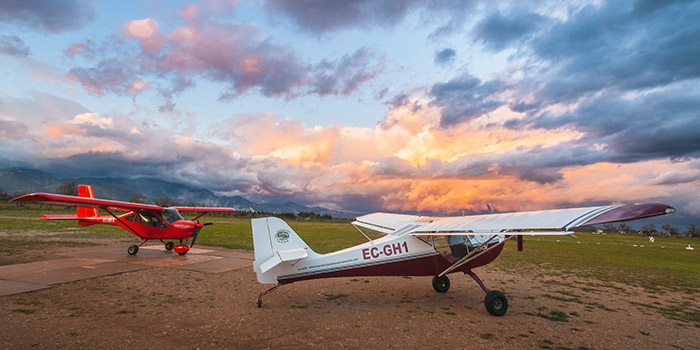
x=124 y=223
x=473 y=254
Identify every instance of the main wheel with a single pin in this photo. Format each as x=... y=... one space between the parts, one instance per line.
x=441 y=284
x=182 y=253
x=496 y=303
x=169 y=246
x=133 y=249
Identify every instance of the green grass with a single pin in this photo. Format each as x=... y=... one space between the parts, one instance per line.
x=610 y=257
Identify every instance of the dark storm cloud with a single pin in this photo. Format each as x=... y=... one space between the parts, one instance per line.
x=47 y=15
x=12 y=45
x=445 y=56
x=620 y=47
x=627 y=74
x=657 y=125
x=498 y=31
x=321 y=16
x=465 y=98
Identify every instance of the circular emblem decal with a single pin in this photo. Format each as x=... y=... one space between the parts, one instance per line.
x=282 y=236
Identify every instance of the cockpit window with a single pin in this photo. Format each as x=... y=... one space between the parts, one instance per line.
x=171 y=215
x=151 y=219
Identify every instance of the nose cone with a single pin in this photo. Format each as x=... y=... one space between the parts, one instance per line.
x=184 y=225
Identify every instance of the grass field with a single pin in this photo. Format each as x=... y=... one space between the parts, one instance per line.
x=665 y=264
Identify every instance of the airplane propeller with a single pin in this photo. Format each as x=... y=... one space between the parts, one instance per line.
x=197 y=229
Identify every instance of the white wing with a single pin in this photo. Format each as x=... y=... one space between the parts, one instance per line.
x=557 y=221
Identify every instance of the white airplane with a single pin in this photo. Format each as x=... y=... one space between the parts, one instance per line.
x=423 y=246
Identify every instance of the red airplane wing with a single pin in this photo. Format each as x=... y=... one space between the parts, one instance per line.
x=59 y=199
x=204 y=210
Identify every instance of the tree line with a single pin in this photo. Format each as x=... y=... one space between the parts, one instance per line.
x=650 y=230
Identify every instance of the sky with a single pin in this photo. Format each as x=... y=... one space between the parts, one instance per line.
x=365 y=105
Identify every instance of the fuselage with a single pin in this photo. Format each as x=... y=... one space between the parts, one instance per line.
x=387 y=256
x=167 y=224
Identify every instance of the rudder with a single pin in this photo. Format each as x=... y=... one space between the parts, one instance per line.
x=85 y=191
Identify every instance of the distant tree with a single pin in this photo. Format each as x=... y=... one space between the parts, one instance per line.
x=138 y=198
x=669 y=229
x=609 y=228
x=649 y=229
x=4 y=196
x=68 y=188
x=693 y=231
x=624 y=228
x=165 y=202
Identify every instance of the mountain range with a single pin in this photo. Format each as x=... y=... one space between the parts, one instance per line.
x=18 y=180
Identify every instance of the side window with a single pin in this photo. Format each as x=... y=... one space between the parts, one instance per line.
x=151 y=219
x=133 y=217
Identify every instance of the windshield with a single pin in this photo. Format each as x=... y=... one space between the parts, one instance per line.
x=171 y=215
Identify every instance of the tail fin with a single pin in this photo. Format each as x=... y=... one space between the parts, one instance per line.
x=275 y=242
x=85 y=212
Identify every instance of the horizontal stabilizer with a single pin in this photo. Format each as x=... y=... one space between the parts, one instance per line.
x=285 y=255
x=60 y=216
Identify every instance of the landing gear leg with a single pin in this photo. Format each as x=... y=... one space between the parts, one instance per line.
x=496 y=302
x=266 y=292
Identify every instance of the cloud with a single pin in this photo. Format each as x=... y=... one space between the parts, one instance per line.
x=346 y=74
x=318 y=16
x=445 y=57
x=498 y=31
x=12 y=45
x=236 y=55
x=12 y=130
x=466 y=97
x=617 y=47
x=93 y=119
x=48 y=15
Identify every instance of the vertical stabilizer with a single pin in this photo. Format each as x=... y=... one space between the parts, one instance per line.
x=86 y=192
x=275 y=243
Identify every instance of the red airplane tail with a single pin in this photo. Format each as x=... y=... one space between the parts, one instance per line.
x=86 y=212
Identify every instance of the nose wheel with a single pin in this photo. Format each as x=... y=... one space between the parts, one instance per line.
x=133 y=249
x=169 y=246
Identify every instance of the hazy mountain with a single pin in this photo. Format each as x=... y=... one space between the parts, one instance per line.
x=23 y=180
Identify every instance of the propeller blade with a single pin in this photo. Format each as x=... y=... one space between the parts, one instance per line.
x=194 y=236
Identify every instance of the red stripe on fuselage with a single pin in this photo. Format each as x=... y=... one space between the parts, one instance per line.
x=423 y=266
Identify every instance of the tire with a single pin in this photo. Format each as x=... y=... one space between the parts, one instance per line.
x=441 y=284
x=496 y=303
x=133 y=249
x=183 y=253
x=169 y=246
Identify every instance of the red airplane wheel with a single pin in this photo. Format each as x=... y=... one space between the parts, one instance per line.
x=133 y=249
x=169 y=246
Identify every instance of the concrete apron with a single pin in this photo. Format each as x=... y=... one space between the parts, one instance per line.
x=96 y=262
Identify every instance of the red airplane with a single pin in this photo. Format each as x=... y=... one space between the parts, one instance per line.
x=145 y=221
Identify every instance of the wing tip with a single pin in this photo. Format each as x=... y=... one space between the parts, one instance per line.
x=631 y=212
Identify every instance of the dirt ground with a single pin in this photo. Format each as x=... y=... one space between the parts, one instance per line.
x=165 y=308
